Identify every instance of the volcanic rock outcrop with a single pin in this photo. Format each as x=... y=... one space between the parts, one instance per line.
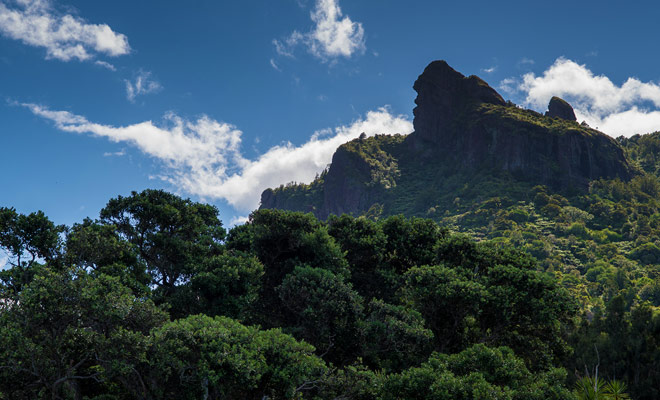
x=559 y=108
x=463 y=129
x=466 y=121
x=443 y=93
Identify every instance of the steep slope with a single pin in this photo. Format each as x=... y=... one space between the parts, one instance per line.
x=467 y=142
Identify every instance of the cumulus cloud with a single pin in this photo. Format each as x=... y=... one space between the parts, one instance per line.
x=633 y=107
x=64 y=36
x=204 y=157
x=333 y=35
x=143 y=84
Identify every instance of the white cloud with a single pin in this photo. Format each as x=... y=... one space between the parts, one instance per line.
x=616 y=110
x=105 y=65
x=64 y=36
x=142 y=85
x=239 y=220
x=274 y=65
x=509 y=85
x=204 y=158
x=489 y=70
x=114 y=154
x=286 y=47
x=333 y=35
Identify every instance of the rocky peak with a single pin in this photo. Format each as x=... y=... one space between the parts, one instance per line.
x=463 y=129
x=559 y=108
x=468 y=124
x=442 y=92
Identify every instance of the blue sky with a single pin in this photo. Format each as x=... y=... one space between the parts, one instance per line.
x=219 y=100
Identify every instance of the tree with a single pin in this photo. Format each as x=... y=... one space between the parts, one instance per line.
x=364 y=244
x=28 y=240
x=100 y=249
x=172 y=235
x=484 y=294
x=393 y=337
x=410 y=242
x=527 y=311
x=589 y=388
x=624 y=344
x=478 y=372
x=228 y=285
x=282 y=241
x=218 y=358
x=592 y=388
x=70 y=334
x=449 y=302
x=323 y=310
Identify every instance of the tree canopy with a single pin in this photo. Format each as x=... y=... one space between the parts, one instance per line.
x=155 y=300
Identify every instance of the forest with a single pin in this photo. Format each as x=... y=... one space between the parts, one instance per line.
x=156 y=299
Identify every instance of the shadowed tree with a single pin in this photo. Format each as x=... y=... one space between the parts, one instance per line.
x=199 y=357
x=70 y=335
x=28 y=241
x=172 y=235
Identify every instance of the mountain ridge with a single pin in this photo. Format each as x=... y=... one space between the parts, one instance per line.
x=464 y=130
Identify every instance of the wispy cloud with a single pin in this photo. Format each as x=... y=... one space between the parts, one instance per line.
x=120 y=153
x=204 y=157
x=142 y=84
x=509 y=85
x=64 y=36
x=274 y=65
x=633 y=107
x=333 y=35
x=105 y=65
x=489 y=70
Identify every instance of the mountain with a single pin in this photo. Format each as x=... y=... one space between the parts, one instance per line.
x=468 y=143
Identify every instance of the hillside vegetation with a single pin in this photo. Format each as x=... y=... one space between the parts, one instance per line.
x=155 y=300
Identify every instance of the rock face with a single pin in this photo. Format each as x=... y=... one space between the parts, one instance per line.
x=468 y=123
x=559 y=108
x=442 y=93
x=463 y=129
x=349 y=180
x=344 y=188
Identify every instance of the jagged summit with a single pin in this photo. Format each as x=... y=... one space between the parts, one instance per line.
x=559 y=108
x=442 y=92
x=464 y=133
x=469 y=124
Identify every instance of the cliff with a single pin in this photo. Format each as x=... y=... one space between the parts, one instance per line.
x=465 y=133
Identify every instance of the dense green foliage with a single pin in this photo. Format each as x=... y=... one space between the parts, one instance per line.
x=601 y=244
x=154 y=301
